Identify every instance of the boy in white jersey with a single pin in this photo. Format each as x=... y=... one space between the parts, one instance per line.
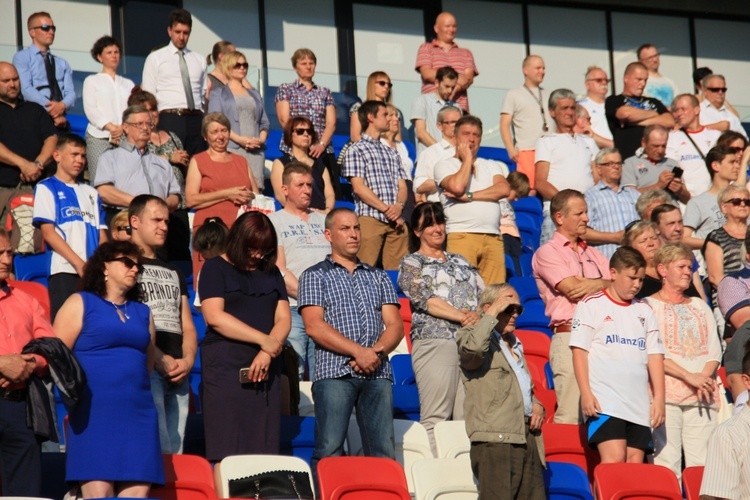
x=69 y=216
x=616 y=353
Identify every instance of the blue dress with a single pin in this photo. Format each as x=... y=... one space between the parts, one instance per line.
x=113 y=434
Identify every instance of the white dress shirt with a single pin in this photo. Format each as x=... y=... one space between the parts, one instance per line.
x=711 y=115
x=104 y=100
x=161 y=77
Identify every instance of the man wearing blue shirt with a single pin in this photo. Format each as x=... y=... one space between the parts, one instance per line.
x=46 y=79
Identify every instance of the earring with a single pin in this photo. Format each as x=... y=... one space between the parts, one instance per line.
x=106 y=277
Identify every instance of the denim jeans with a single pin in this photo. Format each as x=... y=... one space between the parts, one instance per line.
x=334 y=401
x=302 y=344
x=172 y=405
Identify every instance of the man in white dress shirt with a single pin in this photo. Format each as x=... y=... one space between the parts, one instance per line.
x=425 y=188
x=597 y=88
x=714 y=111
x=175 y=75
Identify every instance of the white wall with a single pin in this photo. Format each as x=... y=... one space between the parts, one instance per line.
x=7 y=30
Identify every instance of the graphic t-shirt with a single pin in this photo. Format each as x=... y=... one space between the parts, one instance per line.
x=163 y=286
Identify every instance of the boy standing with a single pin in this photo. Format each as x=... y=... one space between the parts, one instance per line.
x=616 y=353
x=69 y=215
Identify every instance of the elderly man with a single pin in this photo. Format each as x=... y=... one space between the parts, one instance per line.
x=566 y=270
x=630 y=112
x=442 y=51
x=658 y=86
x=506 y=451
x=715 y=113
x=125 y=172
x=470 y=190
x=611 y=206
x=597 y=88
x=689 y=144
x=524 y=117
x=425 y=109
x=651 y=169
x=425 y=188
x=46 y=79
x=649 y=200
x=300 y=233
x=564 y=159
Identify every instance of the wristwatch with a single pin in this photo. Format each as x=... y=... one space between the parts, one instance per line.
x=470 y=195
x=382 y=356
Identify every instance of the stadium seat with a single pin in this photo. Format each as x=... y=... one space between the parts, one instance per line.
x=444 y=478
x=406 y=402
x=403 y=372
x=527 y=289
x=568 y=443
x=344 y=204
x=616 y=481
x=298 y=437
x=240 y=466
x=529 y=221
x=32 y=267
x=393 y=275
x=451 y=440
x=36 y=290
x=530 y=205
x=533 y=318
x=692 y=477
x=406 y=312
x=566 y=482
x=186 y=477
x=361 y=478
x=306 y=404
x=548 y=398
x=549 y=376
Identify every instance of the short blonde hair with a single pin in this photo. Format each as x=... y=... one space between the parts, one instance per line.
x=229 y=60
x=636 y=230
x=672 y=252
x=726 y=193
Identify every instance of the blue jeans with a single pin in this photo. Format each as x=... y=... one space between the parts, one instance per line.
x=172 y=405
x=334 y=401
x=302 y=344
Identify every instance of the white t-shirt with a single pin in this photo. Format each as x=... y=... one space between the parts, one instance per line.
x=710 y=115
x=679 y=148
x=569 y=158
x=598 y=117
x=473 y=216
x=618 y=337
x=426 y=162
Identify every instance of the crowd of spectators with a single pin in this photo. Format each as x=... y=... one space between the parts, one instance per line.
x=643 y=197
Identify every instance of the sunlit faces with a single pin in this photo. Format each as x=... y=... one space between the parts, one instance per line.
x=650 y=58
x=138 y=128
x=448 y=125
x=635 y=82
x=564 y=113
x=728 y=168
x=10 y=84
x=110 y=57
x=217 y=136
x=679 y=273
x=573 y=219
x=379 y=121
x=671 y=226
x=655 y=146
x=122 y=271
x=299 y=190
x=534 y=70
x=647 y=243
x=305 y=68
x=610 y=169
x=445 y=87
x=70 y=159
x=627 y=282
x=433 y=236
x=43 y=37
x=471 y=135
x=345 y=234
x=445 y=27
x=6 y=258
x=151 y=225
x=684 y=112
x=716 y=91
x=179 y=34
x=597 y=83
x=507 y=319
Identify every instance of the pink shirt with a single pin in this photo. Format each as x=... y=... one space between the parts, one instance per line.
x=433 y=56
x=557 y=260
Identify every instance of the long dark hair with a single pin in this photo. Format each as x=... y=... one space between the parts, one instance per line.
x=93 y=273
x=424 y=215
x=252 y=231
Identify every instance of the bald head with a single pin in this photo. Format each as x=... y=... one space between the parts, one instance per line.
x=533 y=70
x=10 y=85
x=445 y=27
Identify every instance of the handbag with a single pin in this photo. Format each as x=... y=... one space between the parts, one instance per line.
x=260 y=203
x=277 y=485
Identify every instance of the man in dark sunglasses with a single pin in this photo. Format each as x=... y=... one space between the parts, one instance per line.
x=46 y=79
x=715 y=113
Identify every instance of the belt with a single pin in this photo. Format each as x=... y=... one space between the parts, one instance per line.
x=13 y=394
x=564 y=328
x=183 y=112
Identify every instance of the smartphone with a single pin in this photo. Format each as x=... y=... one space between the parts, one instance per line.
x=677 y=171
x=245 y=376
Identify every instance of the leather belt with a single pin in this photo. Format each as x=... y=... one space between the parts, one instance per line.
x=183 y=112
x=565 y=328
x=13 y=394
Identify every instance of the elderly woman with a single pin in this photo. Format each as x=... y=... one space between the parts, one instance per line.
x=113 y=436
x=218 y=181
x=379 y=87
x=244 y=303
x=443 y=289
x=693 y=353
x=244 y=109
x=105 y=97
x=299 y=135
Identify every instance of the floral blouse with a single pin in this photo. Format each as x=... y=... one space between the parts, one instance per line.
x=454 y=280
x=169 y=147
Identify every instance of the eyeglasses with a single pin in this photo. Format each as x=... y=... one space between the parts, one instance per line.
x=611 y=164
x=144 y=125
x=513 y=309
x=129 y=263
x=738 y=151
x=383 y=83
x=737 y=202
x=717 y=89
x=598 y=80
x=46 y=28
x=122 y=228
x=243 y=65
x=302 y=131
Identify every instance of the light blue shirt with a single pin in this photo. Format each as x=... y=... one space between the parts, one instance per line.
x=610 y=211
x=34 y=85
x=522 y=374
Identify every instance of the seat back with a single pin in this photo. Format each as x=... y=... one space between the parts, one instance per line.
x=528 y=204
x=534 y=343
x=186 y=477
x=403 y=372
x=548 y=398
x=36 y=290
x=444 y=478
x=298 y=437
x=568 y=443
x=451 y=440
x=405 y=311
x=32 y=267
x=616 y=481
x=239 y=466
x=692 y=477
x=567 y=481
x=526 y=288
x=361 y=478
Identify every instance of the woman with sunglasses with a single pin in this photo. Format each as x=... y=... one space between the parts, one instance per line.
x=737 y=143
x=379 y=88
x=244 y=109
x=113 y=436
x=245 y=305
x=443 y=289
x=299 y=135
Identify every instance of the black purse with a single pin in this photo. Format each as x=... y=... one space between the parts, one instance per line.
x=277 y=485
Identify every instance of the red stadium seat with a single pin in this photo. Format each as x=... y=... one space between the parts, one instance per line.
x=362 y=478
x=548 y=399
x=692 y=477
x=406 y=316
x=568 y=443
x=636 y=482
x=186 y=477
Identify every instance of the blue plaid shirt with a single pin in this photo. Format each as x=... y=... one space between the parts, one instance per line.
x=380 y=167
x=610 y=211
x=311 y=103
x=353 y=305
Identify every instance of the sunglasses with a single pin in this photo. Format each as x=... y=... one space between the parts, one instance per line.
x=122 y=228
x=302 y=131
x=243 y=65
x=737 y=202
x=738 y=151
x=383 y=83
x=129 y=263
x=598 y=80
x=513 y=309
x=717 y=89
x=46 y=28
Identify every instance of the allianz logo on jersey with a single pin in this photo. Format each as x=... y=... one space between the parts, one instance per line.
x=616 y=339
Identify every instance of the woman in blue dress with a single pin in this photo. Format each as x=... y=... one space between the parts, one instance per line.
x=113 y=437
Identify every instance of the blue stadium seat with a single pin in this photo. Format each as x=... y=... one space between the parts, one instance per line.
x=298 y=437
x=526 y=288
x=406 y=402
x=526 y=268
x=530 y=238
x=403 y=372
x=32 y=267
x=528 y=221
x=393 y=275
x=272 y=144
x=566 y=481
x=344 y=204
x=499 y=154
x=533 y=318
x=78 y=124
x=528 y=204
x=549 y=376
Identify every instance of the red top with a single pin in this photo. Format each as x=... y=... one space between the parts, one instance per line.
x=216 y=176
x=433 y=56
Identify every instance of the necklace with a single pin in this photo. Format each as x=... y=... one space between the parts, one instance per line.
x=123 y=313
x=545 y=128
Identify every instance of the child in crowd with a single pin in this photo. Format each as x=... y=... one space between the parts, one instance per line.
x=119 y=227
x=69 y=215
x=519 y=187
x=617 y=351
x=210 y=240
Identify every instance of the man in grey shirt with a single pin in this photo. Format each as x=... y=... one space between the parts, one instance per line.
x=302 y=243
x=425 y=108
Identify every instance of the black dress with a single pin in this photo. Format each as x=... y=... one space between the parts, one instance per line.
x=240 y=418
x=318 y=198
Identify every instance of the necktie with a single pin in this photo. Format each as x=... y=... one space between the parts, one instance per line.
x=55 y=94
x=186 y=80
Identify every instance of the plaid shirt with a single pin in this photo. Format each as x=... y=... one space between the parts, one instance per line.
x=610 y=211
x=353 y=304
x=311 y=103
x=380 y=167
